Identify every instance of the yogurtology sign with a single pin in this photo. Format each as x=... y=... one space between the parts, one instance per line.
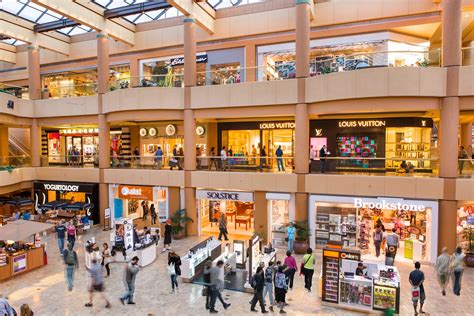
x=388 y=205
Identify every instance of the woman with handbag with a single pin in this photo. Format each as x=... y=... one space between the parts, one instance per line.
x=416 y=278
x=307 y=267
x=174 y=270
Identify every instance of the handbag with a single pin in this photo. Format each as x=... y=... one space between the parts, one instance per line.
x=204 y=291
x=286 y=239
x=171 y=269
x=415 y=293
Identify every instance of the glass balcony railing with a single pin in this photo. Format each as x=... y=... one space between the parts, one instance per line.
x=375 y=166
x=72 y=161
x=16 y=91
x=468 y=56
x=466 y=167
x=267 y=164
x=167 y=81
x=147 y=162
x=69 y=91
x=376 y=60
x=9 y=162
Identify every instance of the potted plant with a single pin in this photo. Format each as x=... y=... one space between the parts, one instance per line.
x=178 y=223
x=468 y=235
x=302 y=237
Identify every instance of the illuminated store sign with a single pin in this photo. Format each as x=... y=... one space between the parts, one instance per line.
x=364 y=123
x=61 y=187
x=388 y=205
x=278 y=125
x=224 y=195
x=179 y=61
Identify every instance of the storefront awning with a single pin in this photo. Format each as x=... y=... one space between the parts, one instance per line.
x=20 y=230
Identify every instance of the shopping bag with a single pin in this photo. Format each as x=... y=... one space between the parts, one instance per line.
x=415 y=293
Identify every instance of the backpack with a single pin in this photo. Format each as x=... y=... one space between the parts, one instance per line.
x=253 y=282
x=69 y=257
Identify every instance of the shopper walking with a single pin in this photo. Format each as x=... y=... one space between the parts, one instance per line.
x=130 y=275
x=60 y=235
x=71 y=234
x=136 y=157
x=442 y=269
x=106 y=258
x=416 y=278
x=71 y=263
x=290 y=262
x=279 y=155
x=153 y=213
x=217 y=285
x=268 y=286
x=263 y=158
x=223 y=227
x=393 y=243
x=167 y=239
x=207 y=281
x=257 y=283
x=212 y=159
x=462 y=156
x=5 y=307
x=281 y=287
x=308 y=263
x=97 y=283
x=290 y=236
x=25 y=310
x=457 y=266
x=158 y=158
x=223 y=159
x=323 y=153
x=145 y=210
x=174 y=270
x=198 y=157
x=378 y=237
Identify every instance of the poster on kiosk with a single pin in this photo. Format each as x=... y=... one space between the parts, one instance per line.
x=123 y=237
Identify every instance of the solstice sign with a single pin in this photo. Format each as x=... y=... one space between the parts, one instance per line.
x=224 y=195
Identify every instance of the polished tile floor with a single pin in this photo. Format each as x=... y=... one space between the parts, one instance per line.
x=45 y=291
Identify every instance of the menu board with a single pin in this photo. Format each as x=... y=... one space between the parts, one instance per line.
x=385 y=297
x=19 y=263
x=331 y=268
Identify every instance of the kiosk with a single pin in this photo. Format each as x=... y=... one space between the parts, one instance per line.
x=193 y=263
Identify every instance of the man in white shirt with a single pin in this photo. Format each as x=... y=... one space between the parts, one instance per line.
x=223 y=159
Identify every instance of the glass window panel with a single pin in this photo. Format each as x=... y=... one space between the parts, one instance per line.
x=12 y=7
x=132 y=17
x=143 y=18
x=65 y=30
x=77 y=30
x=47 y=18
x=30 y=14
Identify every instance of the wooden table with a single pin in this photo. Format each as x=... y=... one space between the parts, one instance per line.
x=230 y=214
x=243 y=220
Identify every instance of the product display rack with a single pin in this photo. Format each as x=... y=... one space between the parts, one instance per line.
x=356 y=293
x=416 y=153
x=331 y=272
x=336 y=228
x=386 y=297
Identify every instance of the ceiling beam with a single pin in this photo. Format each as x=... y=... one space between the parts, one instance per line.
x=190 y=8
x=100 y=11
x=54 y=25
x=9 y=28
x=136 y=8
x=89 y=18
x=8 y=56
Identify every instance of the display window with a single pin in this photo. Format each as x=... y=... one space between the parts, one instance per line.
x=167 y=136
x=245 y=140
x=239 y=214
x=61 y=143
x=227 y=73
x=280 y=213
x=465 y=226
x=411 y=144
x=119 y=76
x=80 y=82
x=351 y=222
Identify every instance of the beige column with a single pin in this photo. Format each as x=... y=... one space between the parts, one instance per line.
x=449 y=122
x=303 y=10
x=189 y=52
x=103 y=63
x=134 y=72
x=250 y=63
x=261 y=215
x=301 y=139
x=466 y=137
x=301 y=207
x=35 y=143
x=104 y=142
x=34 y=80
x=189 y=123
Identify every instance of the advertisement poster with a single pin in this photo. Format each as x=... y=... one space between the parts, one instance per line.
x=19 y=263
x=162 y=212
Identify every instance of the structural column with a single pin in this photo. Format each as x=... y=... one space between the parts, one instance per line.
x=34 y=81
x=35 y=143
x=449 y=122
x=189 y=123
x=104 y=129
x=301 y=111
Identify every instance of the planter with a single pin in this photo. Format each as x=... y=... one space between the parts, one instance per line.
x=179 y=235
x=301 y=247
x=469 y=259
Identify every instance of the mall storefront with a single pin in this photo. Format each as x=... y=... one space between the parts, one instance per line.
x=82 y=198
x=465 y=225
x=246 y=139
x=263 y=213
x=359 y=141
x=350 y=221
x=128 y=201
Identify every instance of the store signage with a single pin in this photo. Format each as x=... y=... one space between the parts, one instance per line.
x=179 y=61
x=200 y=130
x=224 y=195
x=143 y=132
x=170 y=130
x=362 y=123
x=61 y=187
x=277 y=125
x=318 y=132
x=350 y=256
x=152 y=132
x=388 y=205
x=107 y=213
x=135 y=192
x=19 y=263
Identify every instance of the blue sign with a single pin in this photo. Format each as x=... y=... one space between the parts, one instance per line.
x=118 y=208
